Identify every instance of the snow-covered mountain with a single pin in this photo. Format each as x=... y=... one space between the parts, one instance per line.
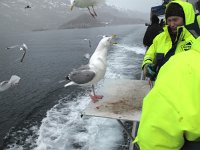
x=54 y=14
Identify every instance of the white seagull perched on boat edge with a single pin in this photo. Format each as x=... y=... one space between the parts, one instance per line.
x=86 y=4
x=14 y=80
x=95 y=70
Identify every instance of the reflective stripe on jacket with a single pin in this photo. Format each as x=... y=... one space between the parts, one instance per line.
x=198 y=20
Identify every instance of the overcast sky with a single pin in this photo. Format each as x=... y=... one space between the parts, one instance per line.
x=139 y=5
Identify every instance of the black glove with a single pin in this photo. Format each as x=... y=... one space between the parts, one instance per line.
x=150 y=71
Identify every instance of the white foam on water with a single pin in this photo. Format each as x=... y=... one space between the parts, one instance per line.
x=122 y=62
x=60 y=129
x=16 y=147
x=135 y=48
x=64 y=129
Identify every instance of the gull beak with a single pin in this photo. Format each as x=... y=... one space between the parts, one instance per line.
x=114 y=36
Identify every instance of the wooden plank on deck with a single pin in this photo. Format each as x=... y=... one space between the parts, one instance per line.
x=122 y=99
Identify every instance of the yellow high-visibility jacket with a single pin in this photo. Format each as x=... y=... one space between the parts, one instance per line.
x=198 y=20
x=162 y=42
x=171 y=110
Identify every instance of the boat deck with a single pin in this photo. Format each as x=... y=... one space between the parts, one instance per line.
x=122 y=100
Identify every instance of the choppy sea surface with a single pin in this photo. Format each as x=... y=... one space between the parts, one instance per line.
x=40 y=113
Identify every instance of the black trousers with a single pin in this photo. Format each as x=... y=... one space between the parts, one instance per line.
x=188 y=145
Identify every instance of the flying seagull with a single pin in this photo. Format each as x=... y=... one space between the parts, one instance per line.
x=28 y=6
x=95 y=70
x=90 y=45
x=22 y=47
x=14 y=80
x=86 y=4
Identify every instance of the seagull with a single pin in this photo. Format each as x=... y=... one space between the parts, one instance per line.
x=86 y=4
x=28 y=6
x=87 y=56
x=14 y=80
x=90 y=45
x=95 y=70
x=22 y=47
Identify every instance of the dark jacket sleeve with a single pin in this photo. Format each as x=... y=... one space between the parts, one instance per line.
x=151 y=32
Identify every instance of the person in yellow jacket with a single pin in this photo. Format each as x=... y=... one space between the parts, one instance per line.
x=197 y=15
x=174 y=39
x=171 y=110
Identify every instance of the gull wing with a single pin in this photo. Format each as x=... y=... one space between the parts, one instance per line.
x=82 y=75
